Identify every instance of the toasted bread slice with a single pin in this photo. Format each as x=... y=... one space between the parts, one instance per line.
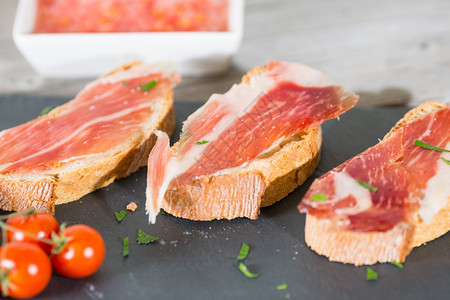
x=247 y=148
x=325 y=236
x=26 y=182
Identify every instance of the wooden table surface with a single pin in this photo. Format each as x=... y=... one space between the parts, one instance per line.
x=390 y=52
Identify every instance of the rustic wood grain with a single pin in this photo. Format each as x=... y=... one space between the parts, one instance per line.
x=390 y=52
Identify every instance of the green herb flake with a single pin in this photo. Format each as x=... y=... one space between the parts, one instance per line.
x=147 y=86
x=367 y=186
x=120 y=215
x=246 y=272
x=124 y=83
x=243 y=252
x=202 y=142
x=446 y=160
x=143 y=238
x=126 y=247
x=319 y=197
x=46 y=110
x=371 y=274
x=282 y=286
x=428 y=146
x=397 y=264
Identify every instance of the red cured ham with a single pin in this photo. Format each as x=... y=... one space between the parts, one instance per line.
x=102 y=116
x=408 y=179
x=232 y=130
x=106 y=127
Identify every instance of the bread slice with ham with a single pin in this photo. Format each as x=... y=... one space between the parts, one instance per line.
x=105 y=133
x=379 y=205
x=247 y=148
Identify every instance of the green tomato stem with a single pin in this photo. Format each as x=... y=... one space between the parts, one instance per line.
x=6 y=227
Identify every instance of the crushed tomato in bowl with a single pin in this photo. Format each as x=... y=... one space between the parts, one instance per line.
x=84 y=16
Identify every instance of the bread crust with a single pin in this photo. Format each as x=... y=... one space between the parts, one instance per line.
x=70 y=184
x=366 y=248
x=263 y=182
x=358 y=248
x=20 y=195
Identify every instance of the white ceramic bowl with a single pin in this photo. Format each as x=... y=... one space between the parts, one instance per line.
x=94 y=54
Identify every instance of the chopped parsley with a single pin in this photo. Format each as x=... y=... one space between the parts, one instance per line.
x=124 y=83
x=282 y=286
x=143 y=238
x=319 y=197
x=126 y=247
x=428 y=146
x=46 y=110
x=397 y=264
x=202 y=142
x=446 y=160
x=148 y=86
x=367 y=186
x=120 y=215
x=371 y=274
x=246 y=272
x=243 y=252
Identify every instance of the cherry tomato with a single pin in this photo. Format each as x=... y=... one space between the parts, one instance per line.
x=82 y=255
x=40 y=224
x=29 y=269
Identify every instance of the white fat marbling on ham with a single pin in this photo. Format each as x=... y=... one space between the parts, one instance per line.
x=346 y=186
x=166 y=69
x=437 y=192
x=302 y=74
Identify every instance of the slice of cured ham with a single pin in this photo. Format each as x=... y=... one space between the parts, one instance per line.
x=382 y=199
x=103 y=134
x=231 y=132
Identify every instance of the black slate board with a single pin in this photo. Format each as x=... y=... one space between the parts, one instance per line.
x=197 y=260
